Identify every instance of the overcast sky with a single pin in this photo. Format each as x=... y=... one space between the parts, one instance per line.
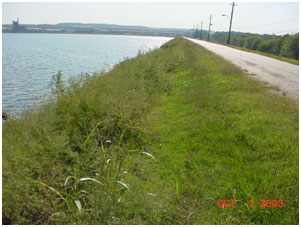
x=266 y=17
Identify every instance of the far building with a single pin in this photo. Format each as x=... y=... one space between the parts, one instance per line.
x=16 y=26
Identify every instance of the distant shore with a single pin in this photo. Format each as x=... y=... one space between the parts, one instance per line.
x=86 y=33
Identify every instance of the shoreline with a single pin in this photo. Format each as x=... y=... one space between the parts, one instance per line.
x=83 y=33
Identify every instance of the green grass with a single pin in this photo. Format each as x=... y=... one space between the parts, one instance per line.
x=160 y=139
x=289 y=60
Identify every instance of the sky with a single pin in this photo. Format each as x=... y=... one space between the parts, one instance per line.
x=264 y=17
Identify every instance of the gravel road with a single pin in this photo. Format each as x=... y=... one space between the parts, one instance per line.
x=275 y=72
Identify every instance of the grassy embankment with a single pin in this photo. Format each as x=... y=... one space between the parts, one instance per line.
x=160 y=139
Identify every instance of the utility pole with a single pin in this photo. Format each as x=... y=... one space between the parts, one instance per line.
x=201 y=30
x=193 y=32
x=196 y=31
x=233 y=4
x=209 y=27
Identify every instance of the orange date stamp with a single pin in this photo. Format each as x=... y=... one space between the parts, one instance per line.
x=265 y=203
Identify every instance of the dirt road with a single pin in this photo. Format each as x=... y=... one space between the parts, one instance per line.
x=275 y=72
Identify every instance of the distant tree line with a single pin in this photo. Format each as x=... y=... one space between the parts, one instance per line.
x=285 y=46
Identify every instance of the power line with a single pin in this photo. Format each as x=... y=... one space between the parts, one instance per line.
x=292 y=30
x=196 y=29
x=283 y=22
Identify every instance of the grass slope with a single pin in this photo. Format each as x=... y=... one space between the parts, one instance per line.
x=160 y=139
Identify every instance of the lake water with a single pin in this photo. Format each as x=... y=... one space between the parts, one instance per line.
x=30 y=60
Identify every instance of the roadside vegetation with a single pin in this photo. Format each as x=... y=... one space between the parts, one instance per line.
x=159 y=139
x=284 y=48
x=289 y=60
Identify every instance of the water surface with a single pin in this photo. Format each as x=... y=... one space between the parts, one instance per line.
x=30 y=60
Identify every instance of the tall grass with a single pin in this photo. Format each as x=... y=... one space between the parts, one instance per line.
x=85 y=129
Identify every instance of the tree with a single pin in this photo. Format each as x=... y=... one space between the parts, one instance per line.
x=264 y=46
x=255 y=43
x=290 y=47
x=252 y=42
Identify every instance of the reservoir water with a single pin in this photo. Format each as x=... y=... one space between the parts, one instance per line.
x=30 y=60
